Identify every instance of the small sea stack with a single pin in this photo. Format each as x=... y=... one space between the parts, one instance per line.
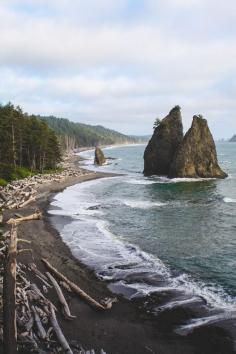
x=99 y=158
x=165 y=140
x=196 y=155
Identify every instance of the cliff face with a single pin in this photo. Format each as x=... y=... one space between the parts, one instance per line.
x=196 y=155
x=165 y=140
x=99 y=158
x=233 y=139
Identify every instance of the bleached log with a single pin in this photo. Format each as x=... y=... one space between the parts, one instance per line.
x=60 y=336
x=35 y=216
x=61 y=297
x=74 y=287
x=9 y=296
x=31 y=199
x=41 y=331
x=3 y=197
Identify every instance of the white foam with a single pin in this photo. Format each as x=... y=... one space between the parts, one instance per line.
x=178 y=303
x=229 y=200
x=163 y=179
x=92 y=241
x=140 y=181
x=142 y=204
x=203 y=321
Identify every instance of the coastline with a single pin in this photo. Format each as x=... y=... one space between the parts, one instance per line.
x=127 y=327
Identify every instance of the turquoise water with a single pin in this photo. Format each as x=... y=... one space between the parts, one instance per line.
x=149 y=234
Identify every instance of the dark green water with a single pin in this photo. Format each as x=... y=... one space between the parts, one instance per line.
x=148 y=233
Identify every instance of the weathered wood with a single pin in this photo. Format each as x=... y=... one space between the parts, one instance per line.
x=74 y=287
x=41 y=331
x=61 y=297
x=9 y=296
x=60 y=336
x=35 y=216
x=26 y=202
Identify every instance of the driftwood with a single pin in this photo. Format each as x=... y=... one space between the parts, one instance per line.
x=9 y=296
x=74 y=287
x=22 y=205
x=59 y=333
x=41 y=331
x=35 y=216
x=20 y=193
x=61 y=297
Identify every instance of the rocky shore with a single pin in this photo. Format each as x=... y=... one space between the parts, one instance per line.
x=125 y=329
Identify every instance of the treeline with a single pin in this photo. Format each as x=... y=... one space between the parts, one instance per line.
x=72 y=135
x=25 y=142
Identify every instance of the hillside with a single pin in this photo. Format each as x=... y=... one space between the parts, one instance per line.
x=73 y=135
x=233 y=139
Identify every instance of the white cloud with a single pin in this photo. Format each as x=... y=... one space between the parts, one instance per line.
x=113 y=70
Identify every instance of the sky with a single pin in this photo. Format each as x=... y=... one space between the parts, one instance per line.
x=121 y=63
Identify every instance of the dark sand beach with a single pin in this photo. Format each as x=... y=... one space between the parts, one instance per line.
x=125 y=329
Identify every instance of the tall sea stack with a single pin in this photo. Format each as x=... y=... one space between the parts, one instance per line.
x=165 y=140
x=196 y=156
x=99 y=158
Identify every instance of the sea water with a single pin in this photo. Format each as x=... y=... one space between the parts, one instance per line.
x=154 y=235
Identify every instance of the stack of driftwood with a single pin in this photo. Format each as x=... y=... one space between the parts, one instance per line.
x=29 y=317
x=21 y=192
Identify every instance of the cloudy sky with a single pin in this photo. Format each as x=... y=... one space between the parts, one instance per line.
x=121 y=63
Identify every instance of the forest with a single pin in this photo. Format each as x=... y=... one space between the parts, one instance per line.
x=73 y=135
x=27 y=144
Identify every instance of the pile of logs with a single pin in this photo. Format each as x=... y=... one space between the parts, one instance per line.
x=30 y=321
x=18 y=194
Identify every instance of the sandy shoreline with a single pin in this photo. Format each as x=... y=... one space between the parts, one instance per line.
x=127 y=328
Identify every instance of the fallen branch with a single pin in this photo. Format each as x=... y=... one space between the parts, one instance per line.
x=59 y=333
x=35 y=216
x=41 y=331
x=9 y=296
x=74 y=287
x=61 y=297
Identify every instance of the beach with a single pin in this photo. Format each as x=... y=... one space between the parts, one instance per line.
x=125 y=329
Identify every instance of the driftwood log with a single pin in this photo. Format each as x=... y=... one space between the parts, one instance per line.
x=9 y=296
x=61 y=297
x=74 y=287
x=35 y=216
x=60 y=336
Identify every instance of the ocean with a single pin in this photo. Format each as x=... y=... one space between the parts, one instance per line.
x=148 y=236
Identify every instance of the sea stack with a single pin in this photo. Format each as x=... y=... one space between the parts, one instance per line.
x=99 y=158
x=196 y=156
x=165 y=140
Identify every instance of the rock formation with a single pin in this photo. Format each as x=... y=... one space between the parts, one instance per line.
x=196 y=156
x=99 y=158
x=233 y=139
x=161 y=148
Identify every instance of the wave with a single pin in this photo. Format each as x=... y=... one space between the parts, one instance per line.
x=229 y=200
x=142 y=204
x=140 y=181
x=166 y=180
x=204 y=321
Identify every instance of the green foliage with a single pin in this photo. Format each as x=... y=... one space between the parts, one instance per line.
x=3 y=182
x=156 y=123
x=72 y=135
x=27 y=144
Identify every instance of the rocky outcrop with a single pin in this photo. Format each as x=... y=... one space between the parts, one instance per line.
x=161 y=148
x=99 y=158
x=196 y=156
x=233 y=139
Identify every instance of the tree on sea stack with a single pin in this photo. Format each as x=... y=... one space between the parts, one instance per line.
x=99 y=158
x=163 y=144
